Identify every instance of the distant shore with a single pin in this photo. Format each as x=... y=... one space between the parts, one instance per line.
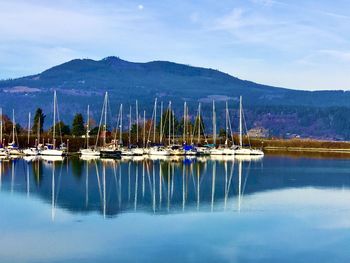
x=270 y=145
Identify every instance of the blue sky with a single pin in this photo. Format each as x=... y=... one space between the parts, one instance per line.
x=295 y=44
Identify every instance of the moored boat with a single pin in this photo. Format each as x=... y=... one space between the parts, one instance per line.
x=240 y=149
x=51 y=149
x=88 y=151
x=159 y=150
x=31 y=151
x=12 y=148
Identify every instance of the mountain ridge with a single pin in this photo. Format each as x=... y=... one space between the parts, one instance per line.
x=80 y=82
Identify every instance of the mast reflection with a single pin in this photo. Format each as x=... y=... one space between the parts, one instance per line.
x=111 y=187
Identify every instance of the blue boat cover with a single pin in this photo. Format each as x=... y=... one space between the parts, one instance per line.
x=188 y=147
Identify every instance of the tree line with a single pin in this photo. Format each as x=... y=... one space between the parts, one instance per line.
x=78 y=126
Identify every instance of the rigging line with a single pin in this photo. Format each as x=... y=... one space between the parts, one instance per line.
x=151 y=126
x=246 y=179
x=165 y=123
x=59 y=122
x=230 y=179
x=230 y=127
x=245 y=126
x=149 y=178
x=117 y=125
x=99 y=126
x=59 y=184
x=98 y=181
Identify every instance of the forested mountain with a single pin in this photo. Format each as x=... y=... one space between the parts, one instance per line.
x=284 y=112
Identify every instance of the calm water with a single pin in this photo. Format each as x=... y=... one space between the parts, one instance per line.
x=276 y=209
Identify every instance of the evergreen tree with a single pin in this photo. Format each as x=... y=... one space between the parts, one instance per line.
x=18 y=128
x=78 y=128
x=39 y=119
x=94 y=131
x=222 y=133
x=7 y=124
x=61 y=126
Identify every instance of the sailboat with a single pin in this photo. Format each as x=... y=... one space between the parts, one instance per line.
x=189 y=149
x=228 y=150
x=137 y=150
x=213 y=150
x=129 y=150
x=200 y=150
x=107 y=150
x=51 y=149
x=3 y=152
x=157 y=150
x=243 y=150
x=88 y=151
x=12 y=148
x=31 y=151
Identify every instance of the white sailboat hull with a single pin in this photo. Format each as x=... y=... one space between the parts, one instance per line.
x=229 y=151
x=52 y=158
x=177 y=152
x=3 y=152
x=203 y=151
x=126 y=152
x=14 y=152
x=248 y=151
x=89 y=152
x=159 y=152
x=137 y=151
x=215 y=151
x=190 y=152
x=52 y=152
x=31 y=152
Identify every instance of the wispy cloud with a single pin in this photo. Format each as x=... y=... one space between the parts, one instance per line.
x=250 y=39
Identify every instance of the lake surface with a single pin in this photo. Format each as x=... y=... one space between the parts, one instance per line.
x=275 y=209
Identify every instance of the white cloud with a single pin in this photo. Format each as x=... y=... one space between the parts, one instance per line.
x=337 y=54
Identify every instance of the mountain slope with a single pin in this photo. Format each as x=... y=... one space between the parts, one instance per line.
x=83 y=81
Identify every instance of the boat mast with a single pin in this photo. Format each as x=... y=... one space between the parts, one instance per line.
x=155 y=121
x=173 y=127
x=199 y=123
x=1 y=127
x=28 y=127
x=161 y=123
x=184 y=125
x=144 y=129
x=214 y=123
x=169 y=131
x=105 y=119
x=129 y=125
x=13 y=125
x=38 y=129
x=54 y=119
x=190 y=129
x=226 y=114
x=240 y=122
x=87 y=127
x=121 y=125
x=137 y=123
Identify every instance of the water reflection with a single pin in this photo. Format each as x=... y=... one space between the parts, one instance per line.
x=232 y=206
x=159 y=186
x=136 y=184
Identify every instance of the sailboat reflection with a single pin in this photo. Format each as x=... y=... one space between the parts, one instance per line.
x=111 y=187
x=55 y=190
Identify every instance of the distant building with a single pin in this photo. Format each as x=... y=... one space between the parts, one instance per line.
x=258 y=132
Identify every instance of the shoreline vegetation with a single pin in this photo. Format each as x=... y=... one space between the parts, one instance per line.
x=269 y=145
x=140 y=133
